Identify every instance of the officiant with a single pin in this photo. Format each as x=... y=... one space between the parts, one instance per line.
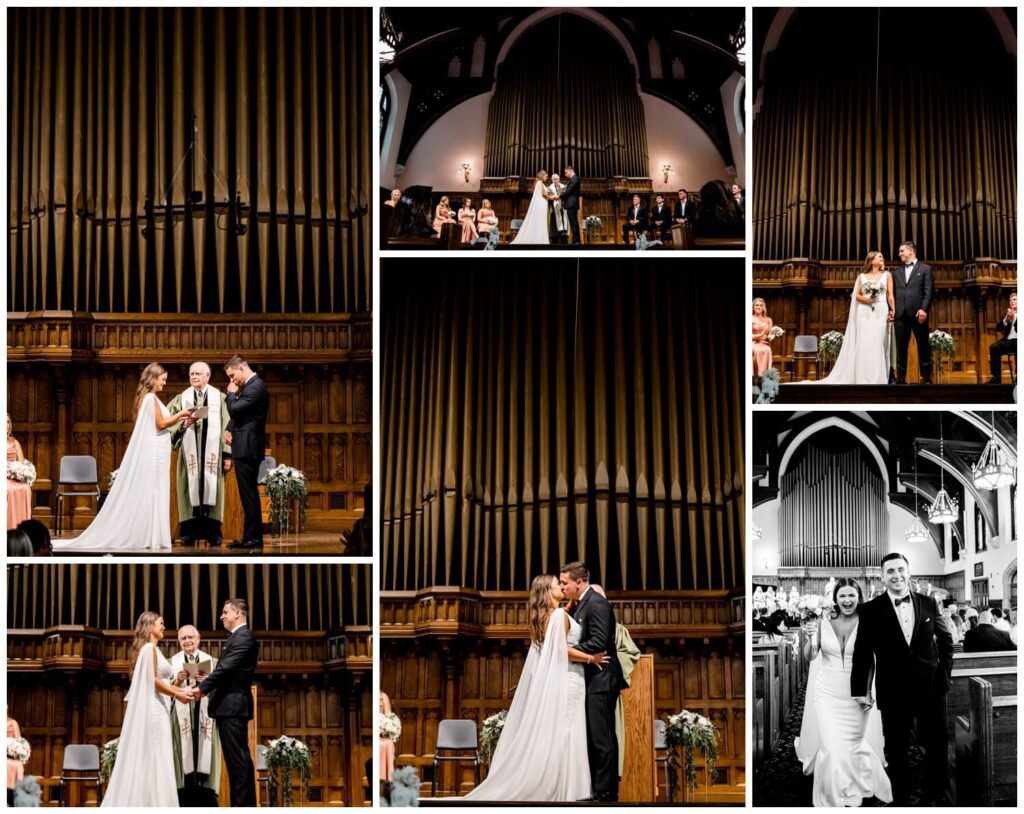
x=203 y=459
x=197 y=753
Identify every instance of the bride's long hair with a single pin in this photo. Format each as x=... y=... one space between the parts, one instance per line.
x=143 y=627
x=152 y=372
x=847 y=582
x=539 y=606
x=869 y=262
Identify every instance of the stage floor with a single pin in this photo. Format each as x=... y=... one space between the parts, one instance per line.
x=797 y=393
x=455 y=802
x=307 y=544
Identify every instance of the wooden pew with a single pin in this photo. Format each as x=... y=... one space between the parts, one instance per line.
x=999 y=668
x=768 y=690
x=986 y=747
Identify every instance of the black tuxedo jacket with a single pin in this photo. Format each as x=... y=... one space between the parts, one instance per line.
x=248 y=409
x=901 y=671
x=1004 y=327
x=662 y=213
x=641 y=216
x=596 y=617
x=915 y=293
x=985 y=638
x=571 y=194
x=689 y=211
x=230 y=684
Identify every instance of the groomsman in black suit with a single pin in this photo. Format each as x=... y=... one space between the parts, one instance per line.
x=661 y=218
x=1006 y=345
x=913 y=289
x=571 y=202
x=685 y=210
x=902 y=636
x=636 y=219
x=248 y=404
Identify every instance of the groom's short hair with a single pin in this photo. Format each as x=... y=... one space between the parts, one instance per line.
x=239 y=605
x=568 y=167
x=576 y=570
x=910 y=245
x=235 y=362
x=895 y=555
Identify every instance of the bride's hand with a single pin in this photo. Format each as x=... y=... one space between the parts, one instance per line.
x=598 y=660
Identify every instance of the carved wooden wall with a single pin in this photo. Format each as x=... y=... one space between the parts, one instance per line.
x=549 y=413
x=103 y=104
x=456 y=653
x=72 y=380
x=70 y=638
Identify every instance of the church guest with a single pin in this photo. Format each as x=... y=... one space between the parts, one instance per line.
x=467 y=217
x=18 y=543
x=999 y=621
x=761 y=329
x=987 y=637
x=197 y=752
x=15 y=768
x=685 y=210
x=1005 y=346
x=39 y=534
x=661 y=218
x=442 y=215
x=19 y=495
x=739 y=196
x=486 y=220
x=636 y=219
x=396 y=196
x=387 y=746
x=203 y=459
x=718 y=214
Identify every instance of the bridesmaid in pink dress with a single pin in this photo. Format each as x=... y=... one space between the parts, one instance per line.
x=19 y=495
x=761 y=335
x=442 y=215
x=387 y=746
x=467 y=217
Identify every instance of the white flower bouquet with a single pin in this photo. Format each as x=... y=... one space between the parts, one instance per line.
x=284 y=755
x=688 y=731
x=829 y=346
x=491 y=220
x=18 y=749
x=489 y=734
x=390 y=726
x=776 y=332
x=872 y=289
x=810 y=607
x=943 y=346
x=21 y=471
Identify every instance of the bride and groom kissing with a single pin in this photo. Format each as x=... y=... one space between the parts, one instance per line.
x=902 y=655
x=213 y=432
x=144 y=772
x=553 y=210
x=570 y=683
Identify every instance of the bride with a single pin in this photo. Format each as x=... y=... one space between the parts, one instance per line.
x=143 y=774
x=864 y=356
x=542 y=752
x=535 y=224
x=839 y=743
x=136 y=513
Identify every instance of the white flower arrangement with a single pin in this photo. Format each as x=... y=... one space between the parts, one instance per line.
x=489 y=734
x=592 y=226
x=872 y=289
x=22 y=472
x=769 y=387
x=108 y=757
x=829 y=346
x=18 y=749
x=285 y=754
x=943 y=346
x=776 y=332
x=112 y=477
x=284 y=483
x=687 y=731
x=390 y=726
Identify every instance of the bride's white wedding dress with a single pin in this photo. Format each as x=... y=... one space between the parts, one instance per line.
x=864 y=356
x=143 y=773
x=840 y=743
x=535 y=225
x=137 y=511
x=542 y=752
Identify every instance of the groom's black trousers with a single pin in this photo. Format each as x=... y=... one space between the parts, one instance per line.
x=247 y=471
x=234 y=740
x=602 y=746
x=905 y=327
x=574 y=225
x=925 y=713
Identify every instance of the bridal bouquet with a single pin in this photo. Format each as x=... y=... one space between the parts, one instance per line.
x=284 y=755
x=942 y=345
x=872 y=288
x=830 y=345
x=592 y=226
x=21 y=471
x=776 y=332
x=390 y=726
x=282 y=484
x=490 y=733
x=108 y=757
x=688 y=731
x=811 y=607
x=18 y=749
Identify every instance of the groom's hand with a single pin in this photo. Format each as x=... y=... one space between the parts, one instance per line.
x=232 y=388
x=228 y=437
x=922 y=316
x=864 y=701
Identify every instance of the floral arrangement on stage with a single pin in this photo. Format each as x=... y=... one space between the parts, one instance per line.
x=942 y=346
x=592 y=227
x=112 y=477
x=284 y=484
x=18 y=749
x=22 y=472
x=390 y=726
x=489 y=735
x=27 y=793
x=643 y=244
x=829 y=346
x=108 y=757
x=872 y=288
x=285 y=755
x=402 y=790
x=688 y=731
x=776 y=332
x=769 y=387
x=492 y=238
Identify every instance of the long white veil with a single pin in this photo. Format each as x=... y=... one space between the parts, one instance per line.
x=535 y=225
x=844 y=371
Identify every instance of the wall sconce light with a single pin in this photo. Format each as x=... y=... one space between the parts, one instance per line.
x=466 y=167
x=666 y=169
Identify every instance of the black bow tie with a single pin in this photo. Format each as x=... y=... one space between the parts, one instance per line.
x=908 y=265
x=899 y=602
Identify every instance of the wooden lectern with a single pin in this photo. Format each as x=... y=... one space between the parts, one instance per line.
x=639 y=769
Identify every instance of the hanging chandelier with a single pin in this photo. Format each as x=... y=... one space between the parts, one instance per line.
x=993 y=469
x=918 y=532
x=944 y=509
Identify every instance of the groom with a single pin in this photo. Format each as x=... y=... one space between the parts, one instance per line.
x=902 y=635
x=571 y=202
x=229 y=687
x=595 y=616
x=913 y=289
x=248 y=404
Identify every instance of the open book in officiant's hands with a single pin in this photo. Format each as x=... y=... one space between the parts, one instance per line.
x=193 y=669
x=199 y=413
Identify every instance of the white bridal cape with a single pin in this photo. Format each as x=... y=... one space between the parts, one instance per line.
x=840 y=744
x=143 y=773
x=137 y=511
x=542 y=752
x=864 y=356
x=535 y=224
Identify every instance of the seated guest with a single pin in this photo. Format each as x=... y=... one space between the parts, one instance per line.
x=998 y=621
x=19 y=495
x=15 y=768
x=718 y=214
x=1005 y=346
x=387 y=746
x=39 y=534
x=685 y=210
x=486 y=220
x=396 y=196
x=442 y=215
x=467 y=217
x=636 y=219
x=738 y=196
x=18 y=544
x=986 y=637
x=661 y=218
x=761 y=325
